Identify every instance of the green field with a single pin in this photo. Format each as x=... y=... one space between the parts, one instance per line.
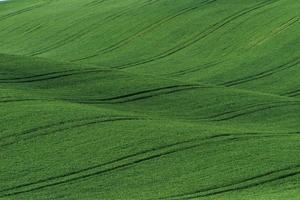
x=150 y=99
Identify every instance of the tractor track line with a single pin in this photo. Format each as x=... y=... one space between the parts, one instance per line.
x=166 y=150
x=60 y=129
x=263 y=74
x=235 y=186
x=198 y=37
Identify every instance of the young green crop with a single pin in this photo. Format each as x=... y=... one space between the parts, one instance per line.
x=149 y=99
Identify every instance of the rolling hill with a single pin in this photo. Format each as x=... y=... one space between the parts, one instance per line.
x=150 y=99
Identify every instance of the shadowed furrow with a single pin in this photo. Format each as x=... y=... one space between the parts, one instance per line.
x=194 y=69
x=145 y=94
x=34 y=76
x=263 y=74
x=24 y=10
x=206 y=2
x=265 y=178
x=217 y=26
x=79 y=34
x=58 y=127
x=253 y=108
x=139 y=33
x=95 y=3
x=123 y=162
x=140 y=95
x=277 y=31
x=50 y=76
x=149 y=99
x=293 y=93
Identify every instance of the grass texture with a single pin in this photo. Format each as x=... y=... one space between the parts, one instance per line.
x=150 y=99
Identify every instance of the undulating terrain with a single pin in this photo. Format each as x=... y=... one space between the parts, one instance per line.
x=150 y=99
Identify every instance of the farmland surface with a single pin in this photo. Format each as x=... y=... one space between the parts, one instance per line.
x=150 y=99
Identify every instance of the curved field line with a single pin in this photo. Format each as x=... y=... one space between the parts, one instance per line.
x=147 y=29
x=146 y=91
x=194 y=69
x=277 y=31
x=84 y=31
x=144 y=31
x=139 y=95
x=292 y=93
x=33 y=29
x=58 y=127
x=120 y=163
x=295 y=95
x=243 y=184
x=35 y=76
x=78 y=34
x=13 y=30
x=121 y=98
x=249 y=106
x=54 y=75
x=263 y=74
x=23 y=100
x=127 y=40
x=24 y=10
x=130 y=160
x=257 y=110
x=250 y=110
x=217 y=26
x=26 y=29
x=95 y=2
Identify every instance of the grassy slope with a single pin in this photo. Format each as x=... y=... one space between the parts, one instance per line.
x=149 y=99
